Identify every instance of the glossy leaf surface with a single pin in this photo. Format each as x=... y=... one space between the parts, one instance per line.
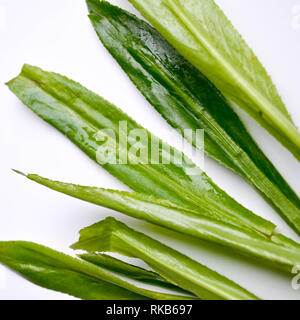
x=188 y=100
x=57 y=271
x=281 y=253
x=137 y=273
x=202 y=33
x=114 y=236
x=83 y=116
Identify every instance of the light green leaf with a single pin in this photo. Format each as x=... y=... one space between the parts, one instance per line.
x=279 y=254
x=57 y=271
x=113 y=236
x=201 y=32
x=81 y=115
x=188 y=100
x=137 y=273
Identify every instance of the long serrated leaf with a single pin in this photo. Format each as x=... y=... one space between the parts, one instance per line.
x=57 y=271
x=80 y=114
x=131 y=271
x=201 y=32
x=282 y=253
x=188 y=100
x=111 y=235
x=119 y=266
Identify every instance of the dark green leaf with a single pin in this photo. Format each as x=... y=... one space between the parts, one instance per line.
x=281 y=253
x=188 y=100
x=113 y=236
x=131 y=271
x=201 y=32
x=80 y=114
x=57 y=271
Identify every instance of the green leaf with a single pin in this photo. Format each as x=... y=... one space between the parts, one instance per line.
x=131 y=271
x=116 y=265
x=201 y=32
x=113 y=236
x=283 y=240
x=80 y=114
x=57 y=271
x=282 y=253
x=188 y=100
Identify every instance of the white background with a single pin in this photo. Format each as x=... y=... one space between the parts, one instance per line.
x=57 y=36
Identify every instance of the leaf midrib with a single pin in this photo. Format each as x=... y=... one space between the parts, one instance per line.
x=269 y=109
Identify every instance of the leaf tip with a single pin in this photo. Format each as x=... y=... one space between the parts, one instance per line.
x=19 y=172
x=97 y=237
